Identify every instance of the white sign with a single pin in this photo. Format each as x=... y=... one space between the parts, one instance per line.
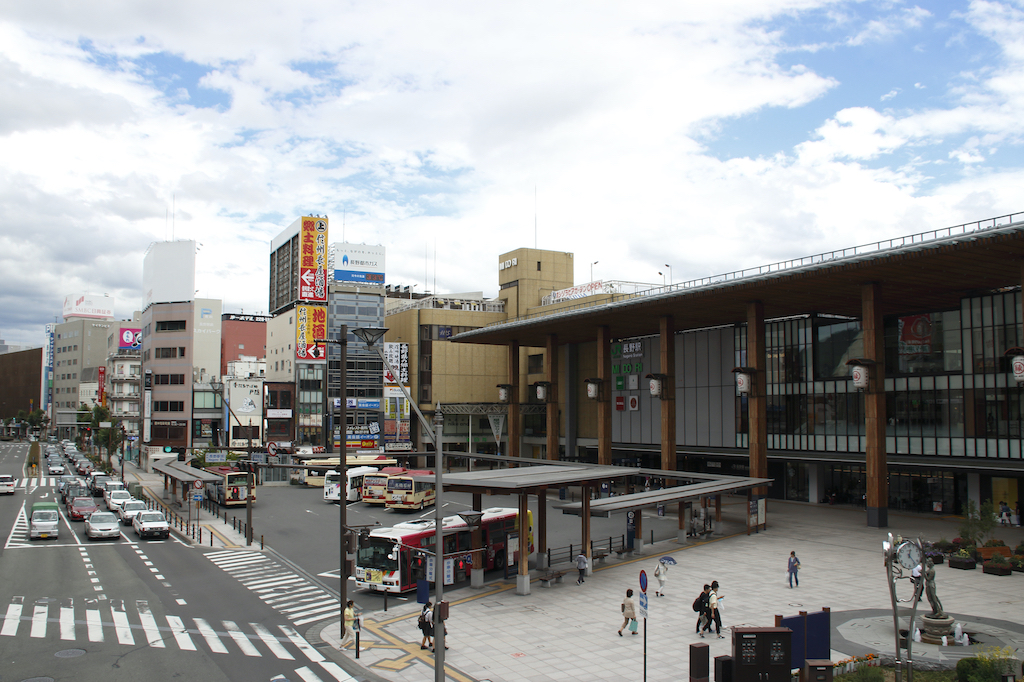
x=643 y=605
x=580 y=291
x=634 y=403
x=1018 y=368
x=197 y=484
x=398 y=356
x=197 y=497
x=507 y=263
x=213 y=457
x=89 y=305
x=497 y=422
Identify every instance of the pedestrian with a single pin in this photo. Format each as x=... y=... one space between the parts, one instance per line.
x=628 y=612
x=1004 y=514
x=661 y=573
x=713 y=610
x=426 y=625
x=791 y=568
x=349 y=620
x=700 y=605
x=581 y=565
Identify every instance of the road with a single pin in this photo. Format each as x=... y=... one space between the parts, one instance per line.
x=127 y=609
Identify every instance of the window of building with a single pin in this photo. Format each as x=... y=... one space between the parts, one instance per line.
x=168 y=406
x=164 y=353
x=535 y=364
x=243 y=432
x=170 y=325
x=241 y=346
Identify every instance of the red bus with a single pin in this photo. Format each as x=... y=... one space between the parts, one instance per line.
x=389 y=561
x=375 y=486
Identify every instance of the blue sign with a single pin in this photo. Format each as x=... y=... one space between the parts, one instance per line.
x=357 y=276
x=643 y=581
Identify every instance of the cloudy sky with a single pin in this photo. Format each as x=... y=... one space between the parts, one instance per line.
x=706 y=136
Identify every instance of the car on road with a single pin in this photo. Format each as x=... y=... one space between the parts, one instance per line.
x=44 y=522
x=6 y=484
x=72 y=491
x=110 y=487
x=83 y=467
x=97 y=483
x=102 y=524
x=115 y=498
x=66 y=480
x=79 y=508
x=55 y=468
x=151 y=523
x=127 y=511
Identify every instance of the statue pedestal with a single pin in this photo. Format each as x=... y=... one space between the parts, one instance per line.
x=934 y=629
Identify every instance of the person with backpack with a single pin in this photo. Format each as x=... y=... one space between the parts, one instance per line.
x=700 y=605
x=792 y=567
x=713 y=612
x=426 y=625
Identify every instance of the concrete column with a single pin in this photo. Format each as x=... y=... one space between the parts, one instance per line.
x=638 y=531
x=757 y=399
x=815 y=482
x=515 y=429
x=585 y=526
x=523 y=578
x=667 y=342
x=877 y=483
x=551 y=376
x=604 y=405
x=542 y=528
x=476 y=574
x=571 y=394
x=681 y=522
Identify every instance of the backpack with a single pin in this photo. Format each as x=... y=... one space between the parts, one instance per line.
x=423 y=618
x=698 y=603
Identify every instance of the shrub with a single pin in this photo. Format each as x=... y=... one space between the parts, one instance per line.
x=865 y=673
x=988 y=666
x=997 y=560
x=995 y=542
x=943 y=545
x=1017 y=561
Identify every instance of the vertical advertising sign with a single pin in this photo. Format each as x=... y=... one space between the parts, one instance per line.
x=313 y=260
x=103 y=385
x=398 y=355
x=310 y=324
x=48 y=379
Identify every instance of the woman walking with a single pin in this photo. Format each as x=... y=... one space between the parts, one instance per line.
x=792 y=567
x=426 y=625
x=628 y=611
x=661 y=573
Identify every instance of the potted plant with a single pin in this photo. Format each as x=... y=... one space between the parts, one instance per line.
x=936 y=556
x=963 y=559
x=1017 y=563
x=997 y=565
x=943 y=545
x=992 y=548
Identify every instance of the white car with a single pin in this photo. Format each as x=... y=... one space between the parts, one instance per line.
x=7 y=484
x=151 y=523
x=55 y=468
x=127 y=511
x=102 y=525
x=110 y=487
x=116 y=498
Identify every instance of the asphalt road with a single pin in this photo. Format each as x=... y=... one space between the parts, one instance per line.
x=126 y=609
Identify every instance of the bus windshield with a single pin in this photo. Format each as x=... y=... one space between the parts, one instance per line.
x=237 y=479
x=376 y=555
x=399 y=484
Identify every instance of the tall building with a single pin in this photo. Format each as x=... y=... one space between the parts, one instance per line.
x=242 y=335
x=123 y=377
x=79 y=348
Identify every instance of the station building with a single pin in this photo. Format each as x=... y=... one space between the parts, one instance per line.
x=752 y=371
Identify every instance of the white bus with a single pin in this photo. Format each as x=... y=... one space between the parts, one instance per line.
x=354 y=489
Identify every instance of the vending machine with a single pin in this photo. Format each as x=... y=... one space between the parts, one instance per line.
x=761 y=654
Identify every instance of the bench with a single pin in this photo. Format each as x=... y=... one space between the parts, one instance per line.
x=623 y=552
x=547 y=578
x=601 y=556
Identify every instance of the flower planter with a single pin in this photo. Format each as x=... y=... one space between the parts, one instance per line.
x=960 y=562
x=1019 y=569
x=996 y=570
x=937 y=558
x=986 y=553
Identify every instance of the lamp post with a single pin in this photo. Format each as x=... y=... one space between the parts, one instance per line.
x=592 y=270
x=669 y=272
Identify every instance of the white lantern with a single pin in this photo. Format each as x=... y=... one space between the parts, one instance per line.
x=1018 y=368
x=593 y=390
x=860 y=377
x=655 y=386
x=503 y=393
x=542 y=392
x=742 y=382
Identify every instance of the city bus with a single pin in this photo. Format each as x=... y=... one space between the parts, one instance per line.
x=375 y=486
x=315 y=477
x=353 y=488
x=230 y=488
x=388 y=560
x=411 y=490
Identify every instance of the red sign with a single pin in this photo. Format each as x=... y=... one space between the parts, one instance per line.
x=313 y=260
x=620 y=402
x=103 y=384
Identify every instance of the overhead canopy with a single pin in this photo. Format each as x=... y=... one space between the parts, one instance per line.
x=665 y=495
x=180 y=471
x=928 y=271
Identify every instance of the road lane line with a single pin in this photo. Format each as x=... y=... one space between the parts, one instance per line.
x=212 y=640
x=289 y=596
x=262 y=585
x=95 y=625
x=305 y=602
x=336 y=672
x=67 y=619
x=180 y=634
x=304 y=646
x=39 y=614
x=121 y=625
x=307 y=675
x=240 y=639
x=149 y=625
x=272 y=642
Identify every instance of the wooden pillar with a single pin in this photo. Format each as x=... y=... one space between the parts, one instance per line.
x=542 y=528
x=515 y=430
x=668 y=393
x=757 y=399
x=551 y=376
x=524 y=535
x=877 y=485
x=585 y=529
x=604 y=404
x=477 y=536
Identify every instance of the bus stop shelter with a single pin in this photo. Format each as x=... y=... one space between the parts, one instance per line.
x=175 y=473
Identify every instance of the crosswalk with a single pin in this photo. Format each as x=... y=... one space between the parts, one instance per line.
x=287 y=592
x=132 y=625
x=34 y=482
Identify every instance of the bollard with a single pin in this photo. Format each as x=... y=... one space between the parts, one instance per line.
x=200 y=535
x=211 y=538
x=549 y=565
x=261 y=547
x=386 y=592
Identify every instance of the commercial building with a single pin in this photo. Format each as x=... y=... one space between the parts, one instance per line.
x=242 y=335
x=21 y=382
x=79 y=344
x=750 y=373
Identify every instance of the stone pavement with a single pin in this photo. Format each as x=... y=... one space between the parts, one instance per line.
x=568 y=631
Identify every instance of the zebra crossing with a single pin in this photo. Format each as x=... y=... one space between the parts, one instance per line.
x=113 y=620
x=282 y=589
x=33 y=482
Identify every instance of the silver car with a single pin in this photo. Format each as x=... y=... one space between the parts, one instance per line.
x=102 y=525
x=127 y=511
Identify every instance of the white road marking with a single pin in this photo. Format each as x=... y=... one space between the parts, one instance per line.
x=271 y=641
x=336 y=672
x=121 y=625
x=149 y=625
x=39 y=613
x=95 y=625
x=240 y=639
x=212 y=640
x=67 y=619
x=304 y=646
x=180 y=634
x=307 y=675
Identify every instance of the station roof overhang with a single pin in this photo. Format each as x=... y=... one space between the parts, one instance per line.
x=607 y=506
x=180 y=471
x=916 y=273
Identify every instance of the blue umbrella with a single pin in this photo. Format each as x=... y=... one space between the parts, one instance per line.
x=668 y=560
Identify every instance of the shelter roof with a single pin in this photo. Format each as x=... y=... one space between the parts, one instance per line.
x=180 y=471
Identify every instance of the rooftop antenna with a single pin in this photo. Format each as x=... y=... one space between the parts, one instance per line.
x=435 y=264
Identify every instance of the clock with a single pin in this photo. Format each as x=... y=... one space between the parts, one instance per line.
x=909 y=554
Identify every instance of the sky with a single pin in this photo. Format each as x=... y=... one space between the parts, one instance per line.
x=656 y=141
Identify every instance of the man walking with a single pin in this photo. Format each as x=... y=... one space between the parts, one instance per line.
x=713 y=600
x=581 y=565
x=703 y=613
x=792 y=567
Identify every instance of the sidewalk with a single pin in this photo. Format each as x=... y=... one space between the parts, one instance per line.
x=569 y=631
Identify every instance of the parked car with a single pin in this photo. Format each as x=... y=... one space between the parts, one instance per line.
x=127 y=511
x=102 y=524
x=44 y=521
x=6 y=484
x=151 y=523
x=80 y=508
x=115 y=498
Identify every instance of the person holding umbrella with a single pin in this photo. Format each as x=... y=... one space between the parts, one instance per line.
x=661 y=573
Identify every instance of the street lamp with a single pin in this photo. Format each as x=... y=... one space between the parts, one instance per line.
x=669 y=272
x=592 y=270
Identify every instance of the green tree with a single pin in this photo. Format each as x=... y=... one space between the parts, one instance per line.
x=978 y=524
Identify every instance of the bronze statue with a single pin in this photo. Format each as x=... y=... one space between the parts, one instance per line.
x=929 y=589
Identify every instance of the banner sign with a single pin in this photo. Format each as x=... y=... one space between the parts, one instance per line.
x=398 y=355
x=310 y=324
x=313 y=260
x=129 y=339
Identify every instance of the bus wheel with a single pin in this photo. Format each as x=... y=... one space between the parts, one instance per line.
x=499 y=560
